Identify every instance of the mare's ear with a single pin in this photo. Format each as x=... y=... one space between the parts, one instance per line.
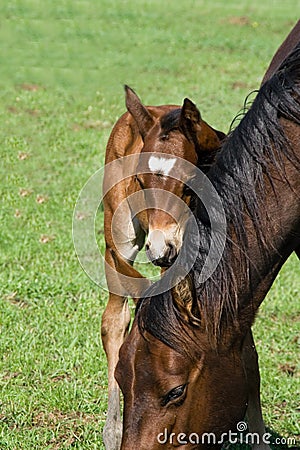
x=207 y=141
x=140 y=114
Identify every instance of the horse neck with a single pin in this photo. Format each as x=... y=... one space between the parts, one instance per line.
x=260 y=195
x=271 y=236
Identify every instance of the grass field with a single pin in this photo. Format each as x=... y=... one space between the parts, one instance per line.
x=63 y=65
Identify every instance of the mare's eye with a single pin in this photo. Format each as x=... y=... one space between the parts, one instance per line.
x=164 y=137
x=176 y=395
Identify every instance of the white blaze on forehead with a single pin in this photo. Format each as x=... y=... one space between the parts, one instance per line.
x=161 y=165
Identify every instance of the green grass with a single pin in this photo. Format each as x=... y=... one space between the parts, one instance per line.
x=63 y=65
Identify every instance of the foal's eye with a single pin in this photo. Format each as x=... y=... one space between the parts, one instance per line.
x=187 y=191
x=139 y=182
x=175 y=394
x=190 y=188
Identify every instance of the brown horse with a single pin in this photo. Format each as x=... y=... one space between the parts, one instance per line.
x=145 y=145
x=181 y=369
x=284 y=50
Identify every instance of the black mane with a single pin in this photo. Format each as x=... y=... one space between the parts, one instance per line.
x=239 y=178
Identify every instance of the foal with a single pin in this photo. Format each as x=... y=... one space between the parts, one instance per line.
x=145 y=144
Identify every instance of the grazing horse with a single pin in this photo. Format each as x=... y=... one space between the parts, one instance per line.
x=181 y=367
x=154 y=136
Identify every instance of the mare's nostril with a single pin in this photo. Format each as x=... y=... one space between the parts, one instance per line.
x=147 y=247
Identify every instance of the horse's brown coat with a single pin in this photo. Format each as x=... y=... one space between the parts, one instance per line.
x=200 y=387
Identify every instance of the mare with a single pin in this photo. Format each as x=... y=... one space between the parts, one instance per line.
x=145 y=144
x=181 y=367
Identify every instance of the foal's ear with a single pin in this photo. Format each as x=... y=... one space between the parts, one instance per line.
x=206 y=140
x=140 y=114
x=190 y=120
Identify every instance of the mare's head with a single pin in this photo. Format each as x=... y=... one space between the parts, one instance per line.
x=178 y=390
x=171 y=136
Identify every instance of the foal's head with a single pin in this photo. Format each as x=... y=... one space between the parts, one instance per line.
x=178 y=134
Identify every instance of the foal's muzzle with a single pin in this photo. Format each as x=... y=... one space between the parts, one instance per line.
x=164 y=260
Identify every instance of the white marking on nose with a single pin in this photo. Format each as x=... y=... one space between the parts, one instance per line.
x=157 y=243
x=161 y=165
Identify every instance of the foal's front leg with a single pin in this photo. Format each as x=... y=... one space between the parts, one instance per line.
x=114 y=327
x=115 y=324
